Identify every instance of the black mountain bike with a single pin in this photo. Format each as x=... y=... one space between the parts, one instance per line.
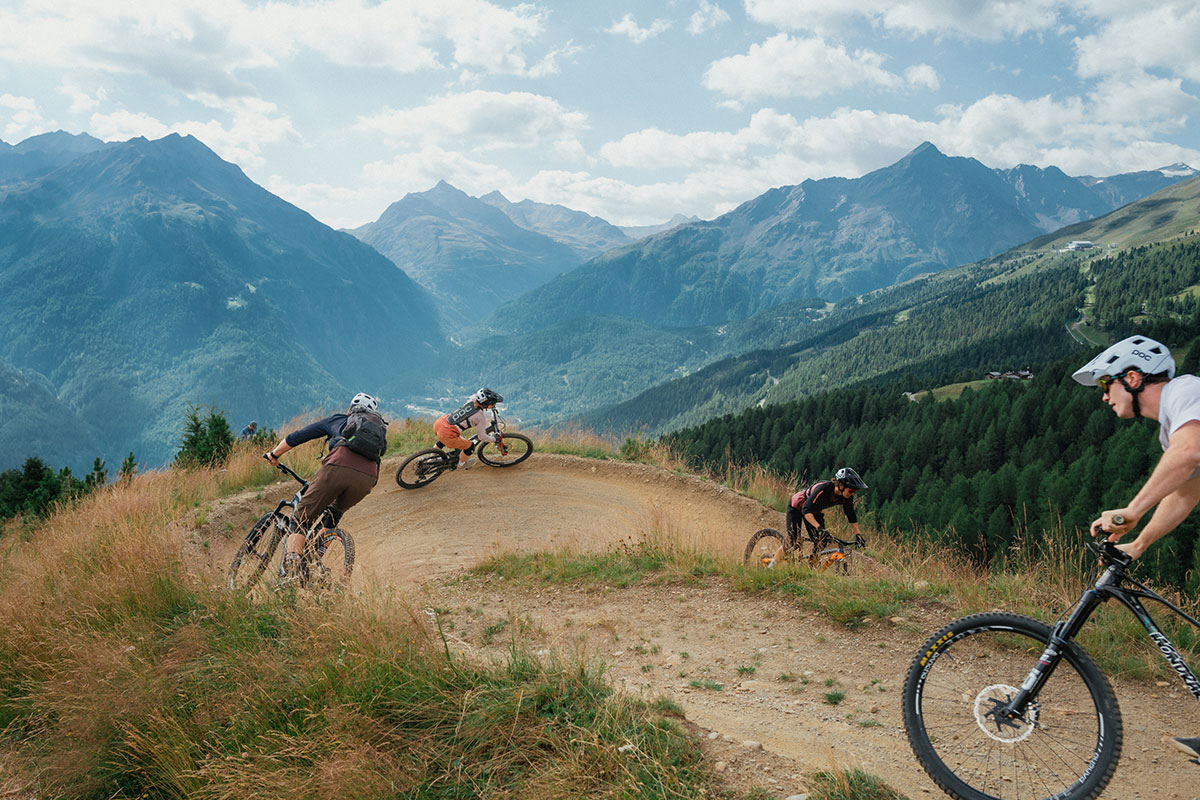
x=327 y=560
x=425 y=466
x=821 y=552
x=1002 y=706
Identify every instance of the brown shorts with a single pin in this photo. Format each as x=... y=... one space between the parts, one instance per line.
x=336 y=488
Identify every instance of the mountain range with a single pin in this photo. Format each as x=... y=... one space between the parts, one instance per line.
x=831 y=238
x=1002 y=313
x=473 y=254
x=145 y=276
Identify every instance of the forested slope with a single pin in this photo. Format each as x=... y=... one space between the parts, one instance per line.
x=1011 y=463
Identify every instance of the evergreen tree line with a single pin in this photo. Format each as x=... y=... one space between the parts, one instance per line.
x=1152 y=280
x=33 y=490
x=999 y=473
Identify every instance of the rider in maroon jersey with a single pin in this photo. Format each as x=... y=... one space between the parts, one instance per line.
x=806 y=509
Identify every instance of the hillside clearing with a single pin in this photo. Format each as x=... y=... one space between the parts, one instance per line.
x=677 y=638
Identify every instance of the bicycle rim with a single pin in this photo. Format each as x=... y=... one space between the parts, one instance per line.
x=331 y=561
x=518 y=447
x=253 y=557
x=762 y=547
x=422 y=468
x=1067 y=746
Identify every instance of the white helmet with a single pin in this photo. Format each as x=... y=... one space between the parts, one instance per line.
x=486 y=397
x=365 y=402
x=1138 y=352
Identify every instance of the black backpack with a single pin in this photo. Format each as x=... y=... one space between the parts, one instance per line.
x=366 y=434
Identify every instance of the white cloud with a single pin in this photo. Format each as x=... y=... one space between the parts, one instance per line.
x=24 y=118
x=481 y=119
x=627 y=26
x=971 y=19
x=419 y=170
x=82 y=100
x=1163 y=37
x=706 y=17
x=203 y=46
x=1074 y=134
x=922 y=76
x=786 y=67
x=254 y=124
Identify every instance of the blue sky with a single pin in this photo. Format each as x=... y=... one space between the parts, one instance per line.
x=633 y=111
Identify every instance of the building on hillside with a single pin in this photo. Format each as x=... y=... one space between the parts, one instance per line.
x=1017 y=375
x=1081 y=244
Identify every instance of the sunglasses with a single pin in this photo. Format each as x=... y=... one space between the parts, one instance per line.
x=1106 y=381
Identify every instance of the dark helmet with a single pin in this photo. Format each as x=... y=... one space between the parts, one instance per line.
x=486 y=397
x=848 y=477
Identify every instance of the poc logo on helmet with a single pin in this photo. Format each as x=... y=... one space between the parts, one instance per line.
x=1140 y=354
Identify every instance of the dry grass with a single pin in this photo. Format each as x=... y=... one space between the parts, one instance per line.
x=124 y=673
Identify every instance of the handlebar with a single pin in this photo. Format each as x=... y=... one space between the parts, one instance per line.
x=287 y=471
x=857 y=541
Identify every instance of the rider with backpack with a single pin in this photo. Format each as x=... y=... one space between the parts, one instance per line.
x=806 y=509
x=357 y=441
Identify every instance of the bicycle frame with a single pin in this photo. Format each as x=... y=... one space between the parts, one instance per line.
x=295 y=501
x=1108 y=586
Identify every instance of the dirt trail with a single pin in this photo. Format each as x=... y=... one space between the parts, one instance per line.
x=673 y=640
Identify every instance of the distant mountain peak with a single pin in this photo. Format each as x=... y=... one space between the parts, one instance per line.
x=1177 y=170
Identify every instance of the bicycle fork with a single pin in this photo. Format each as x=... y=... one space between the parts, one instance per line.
x=1014 y=713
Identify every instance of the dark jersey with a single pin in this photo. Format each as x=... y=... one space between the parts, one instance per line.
x=821 y=496
x=332 y=427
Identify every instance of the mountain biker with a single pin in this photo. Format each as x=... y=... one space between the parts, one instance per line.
x=471 y=414
x=805 y=513
x=344 y=479
x=1137 y=376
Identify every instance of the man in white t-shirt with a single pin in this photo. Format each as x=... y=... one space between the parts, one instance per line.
x=1138 y=378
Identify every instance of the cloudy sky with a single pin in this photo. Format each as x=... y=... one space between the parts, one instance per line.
x=632 y=110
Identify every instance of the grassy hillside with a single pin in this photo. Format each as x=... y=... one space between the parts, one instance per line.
x=1166 y=215
x=127 y=672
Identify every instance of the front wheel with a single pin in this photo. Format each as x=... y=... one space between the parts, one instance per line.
x=422 y=468
x=254 y=555
x=517 y=448
x=763 y=546
x=1065 y=746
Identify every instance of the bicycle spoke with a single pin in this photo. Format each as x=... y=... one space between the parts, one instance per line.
x=1067 y=744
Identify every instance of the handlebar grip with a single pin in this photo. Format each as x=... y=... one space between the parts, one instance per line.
x=1118 y=519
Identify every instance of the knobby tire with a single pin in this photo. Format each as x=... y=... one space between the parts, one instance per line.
x=1067 y=746
x=253 y=557
x=764 y=543
x=331 y=559
x=520 y=447
x=422 y=468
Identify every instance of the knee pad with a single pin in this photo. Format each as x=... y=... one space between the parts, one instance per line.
x=470 y=450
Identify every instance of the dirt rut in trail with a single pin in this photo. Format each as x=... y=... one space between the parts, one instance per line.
x=681 y=641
